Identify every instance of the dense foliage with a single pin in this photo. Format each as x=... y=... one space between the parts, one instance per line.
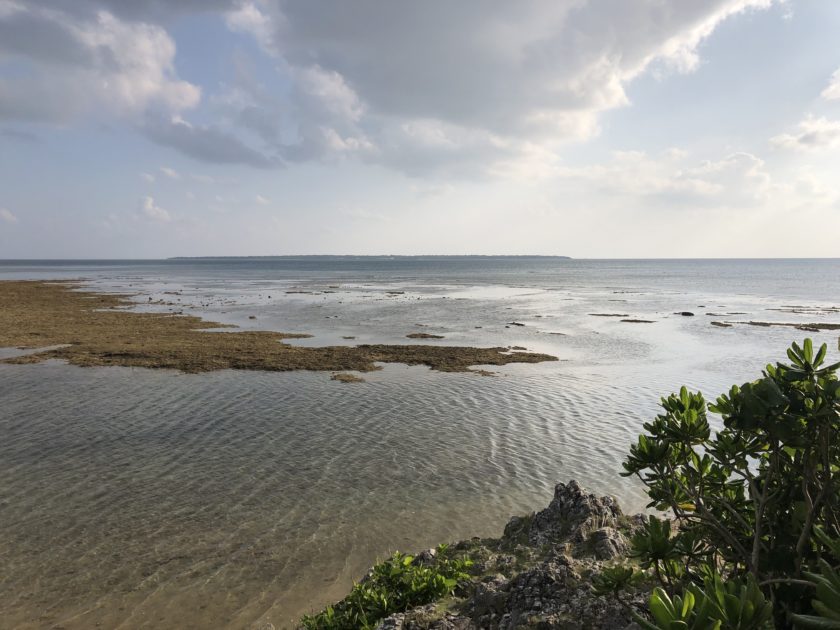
x=395 y=585
x=755 y=505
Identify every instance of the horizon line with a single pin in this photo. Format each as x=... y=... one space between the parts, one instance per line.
x=275 y=256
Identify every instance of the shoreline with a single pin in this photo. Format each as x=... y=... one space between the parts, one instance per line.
x=97 y=329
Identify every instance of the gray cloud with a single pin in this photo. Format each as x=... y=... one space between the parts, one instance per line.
x=422 y=85
x=37 y=99
x=465 y=88
x=61 y=65
x=42 y=40
x=205 y=143
x=157 y=11
x=7 y=216
x=489 y=63
x=19 y=135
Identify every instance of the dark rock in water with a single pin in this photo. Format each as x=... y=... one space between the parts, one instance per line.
x=685 y=313
x=421 y=335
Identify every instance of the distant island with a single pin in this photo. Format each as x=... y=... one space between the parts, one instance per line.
x=371 y=257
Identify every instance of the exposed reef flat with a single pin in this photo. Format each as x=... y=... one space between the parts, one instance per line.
x=807 y=327
x=97 y=329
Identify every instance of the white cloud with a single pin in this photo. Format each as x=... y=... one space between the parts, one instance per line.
x=150 y=210
x=739 y=179
x=832 y=91
x=148 y=177
x=171 y=173
x=329 y=90
x=70 y=63
x=263 y=201
x=247 y=18
x=811 y=187
x=7 y=216
x=676 y=154
x=359 y=214
x=811 y=134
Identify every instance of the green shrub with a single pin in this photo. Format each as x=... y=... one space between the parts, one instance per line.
x=827 y=601
x=735 y=605
x=615 y=579
x=393 y=586
x=755 y=506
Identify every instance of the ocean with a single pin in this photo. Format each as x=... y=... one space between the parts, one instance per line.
x=141 y=498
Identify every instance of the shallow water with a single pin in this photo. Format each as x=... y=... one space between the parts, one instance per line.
x=142 y=498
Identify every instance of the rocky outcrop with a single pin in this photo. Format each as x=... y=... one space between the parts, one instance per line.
x=573 y=513
x=538 y=574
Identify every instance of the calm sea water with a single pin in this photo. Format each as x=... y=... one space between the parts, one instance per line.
x=151 y=499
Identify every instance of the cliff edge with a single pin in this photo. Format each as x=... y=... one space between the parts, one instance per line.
x=538 y=574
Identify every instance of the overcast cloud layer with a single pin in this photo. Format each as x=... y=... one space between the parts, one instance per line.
x=152 y=127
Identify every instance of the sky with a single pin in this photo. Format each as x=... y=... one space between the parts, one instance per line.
x=586 y=128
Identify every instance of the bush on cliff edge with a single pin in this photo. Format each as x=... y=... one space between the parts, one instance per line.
x=755 y=506
x=394 y=585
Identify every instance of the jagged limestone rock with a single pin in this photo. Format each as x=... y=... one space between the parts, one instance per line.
x=538 y=575
x=609 y=543
x=573 y=513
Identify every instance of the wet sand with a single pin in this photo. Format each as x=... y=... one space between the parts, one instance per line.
x=97 y=329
